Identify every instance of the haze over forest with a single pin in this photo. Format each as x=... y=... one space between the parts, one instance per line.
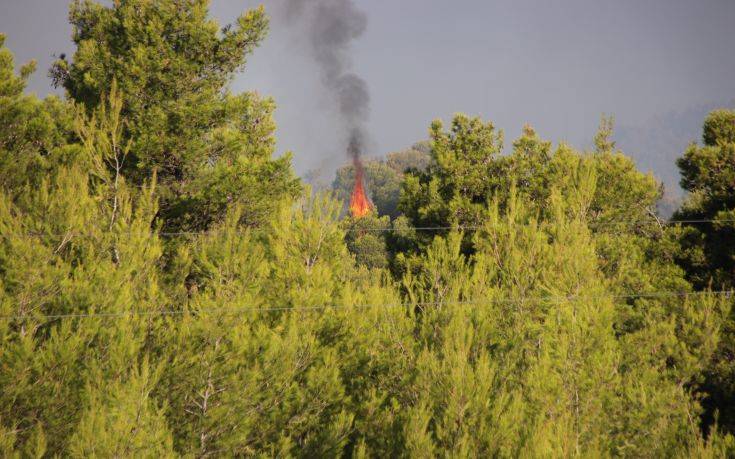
x=656 y=66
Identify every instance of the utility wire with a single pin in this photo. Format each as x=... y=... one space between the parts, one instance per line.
x=478 y=227
x=506 y=300
x=408 y=229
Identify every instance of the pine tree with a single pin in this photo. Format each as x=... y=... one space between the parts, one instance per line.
x=79 y=244
x=33 y=133
x=172 y=66
x=706 y=250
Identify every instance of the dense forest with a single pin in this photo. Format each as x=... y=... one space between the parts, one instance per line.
x=169 y=286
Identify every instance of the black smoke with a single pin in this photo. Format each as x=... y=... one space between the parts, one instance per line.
x=327 y=28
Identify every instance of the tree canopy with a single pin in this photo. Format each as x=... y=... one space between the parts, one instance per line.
x=706 y=242
x=173 y=64
x=168 y=288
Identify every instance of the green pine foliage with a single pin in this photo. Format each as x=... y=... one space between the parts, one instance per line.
x=33 y=132
x=553 y=315
x=707 y=251
x=366 y=239
x=173 y=65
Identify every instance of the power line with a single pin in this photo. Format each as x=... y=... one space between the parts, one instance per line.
x=407 y=229
x=244 y=309
x=590 y=224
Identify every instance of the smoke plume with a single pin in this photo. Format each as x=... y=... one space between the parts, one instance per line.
x=329 y=27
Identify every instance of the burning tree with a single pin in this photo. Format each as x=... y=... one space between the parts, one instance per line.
x=360 y=204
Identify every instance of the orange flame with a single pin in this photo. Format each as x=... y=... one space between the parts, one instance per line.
x=360 y=204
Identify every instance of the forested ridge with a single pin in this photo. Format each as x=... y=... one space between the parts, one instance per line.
x=169 y=287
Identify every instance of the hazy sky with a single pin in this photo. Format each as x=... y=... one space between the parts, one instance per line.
x=556 y=65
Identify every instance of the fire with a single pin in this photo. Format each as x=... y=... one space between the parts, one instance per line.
x=360 y=204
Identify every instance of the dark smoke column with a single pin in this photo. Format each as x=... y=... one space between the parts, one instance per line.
x=329 y=27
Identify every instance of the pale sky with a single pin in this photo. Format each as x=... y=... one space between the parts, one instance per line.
x=555 y=65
